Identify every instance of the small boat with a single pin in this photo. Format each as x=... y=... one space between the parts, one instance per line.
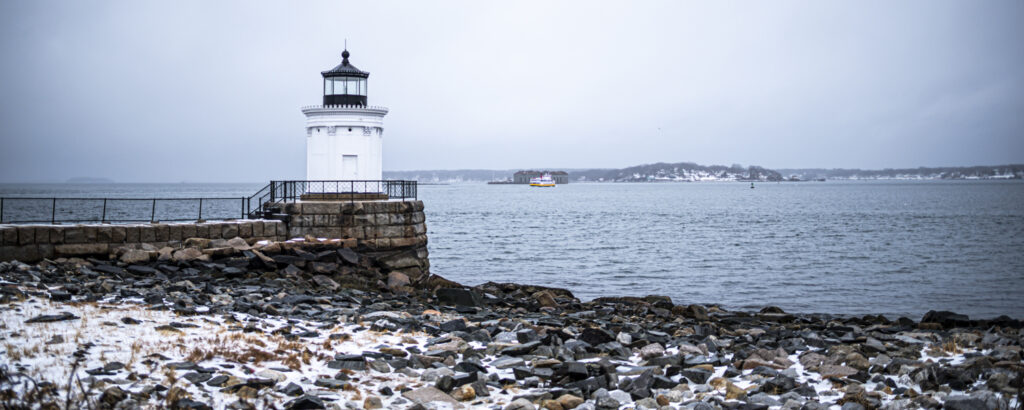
x=543 y=182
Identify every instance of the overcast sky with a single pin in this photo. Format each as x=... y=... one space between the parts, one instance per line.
x=211 y=90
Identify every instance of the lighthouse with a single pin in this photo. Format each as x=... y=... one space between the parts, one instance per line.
x=344 y=135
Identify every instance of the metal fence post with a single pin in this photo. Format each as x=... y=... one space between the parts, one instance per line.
x=200 y=209
x=103 y=217
x=53 y=214
x=243 y=207
x=152 y=214
x=1 y=210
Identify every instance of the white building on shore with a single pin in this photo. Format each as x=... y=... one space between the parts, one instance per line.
x=344 y=136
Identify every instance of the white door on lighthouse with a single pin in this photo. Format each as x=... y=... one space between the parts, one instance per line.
x=349 y=167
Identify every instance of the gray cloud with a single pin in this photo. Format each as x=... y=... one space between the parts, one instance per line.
x=210 y=91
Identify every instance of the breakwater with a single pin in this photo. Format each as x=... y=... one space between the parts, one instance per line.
x=30 y=243
x=392 y=231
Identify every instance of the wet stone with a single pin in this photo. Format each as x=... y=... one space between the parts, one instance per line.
x=380 y=366
x=305 y=402
x=469 y=367
x=964 y=403
x=461 y=379
x=292 y=389
x=52 y=318
x=445 y=383
x=520 y=349
x=459 y=297
x=189 y=404
x=330 y=383
x=508 y=362
x=595 y=336
x=217 y=381
x=696 y=375
x=607 y=403
x=59 y=296
x=197 y=378
x=453 y=325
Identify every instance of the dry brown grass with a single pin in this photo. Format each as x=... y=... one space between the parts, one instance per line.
x=947 y=348
x=198 y=354
x=248 y=354
x=952 y=347
x=135 y=348
x=286 y=346
x=292 y=361
x=174 y=394
x=13 y=352
x=357 y=395
x=24 y=352
x=170 y=377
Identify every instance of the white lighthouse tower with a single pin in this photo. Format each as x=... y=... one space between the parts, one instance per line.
x=344 y=135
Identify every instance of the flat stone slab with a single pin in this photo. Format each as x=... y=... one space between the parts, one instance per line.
x=426 y=395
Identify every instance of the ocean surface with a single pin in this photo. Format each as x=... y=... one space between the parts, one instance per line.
x=898 y=248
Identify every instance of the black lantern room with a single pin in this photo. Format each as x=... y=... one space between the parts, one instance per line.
x=345 y=84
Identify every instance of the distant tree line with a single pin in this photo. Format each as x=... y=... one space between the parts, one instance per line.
x=685 y=171
x=678 y=171
x=1012 y=171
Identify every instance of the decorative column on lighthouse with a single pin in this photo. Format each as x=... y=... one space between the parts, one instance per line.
x=344 y=135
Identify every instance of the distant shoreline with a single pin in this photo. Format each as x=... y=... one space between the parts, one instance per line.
x=691 y=172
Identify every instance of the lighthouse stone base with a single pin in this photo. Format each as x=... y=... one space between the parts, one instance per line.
x=393 y=232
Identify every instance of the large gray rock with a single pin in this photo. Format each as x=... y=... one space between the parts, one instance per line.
x=852 y=406
x=325 y=282
x=201 y=243
x=458 y=297
x=397 y=281
x=508 y=362
x=187 y=255
x=134 y=256
x=429 y=394
x=239 y=244
x=840 y=371
x=520 y=404
x=964 y=403
x=81 y=249
x=652 y=350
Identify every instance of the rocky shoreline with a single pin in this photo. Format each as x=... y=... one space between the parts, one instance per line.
x=318 y=324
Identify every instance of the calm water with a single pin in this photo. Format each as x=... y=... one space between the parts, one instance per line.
x=898 y=248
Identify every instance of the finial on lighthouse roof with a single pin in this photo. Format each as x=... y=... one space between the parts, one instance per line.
x=345 y=69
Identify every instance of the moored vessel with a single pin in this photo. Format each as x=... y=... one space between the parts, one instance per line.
x=544 y=181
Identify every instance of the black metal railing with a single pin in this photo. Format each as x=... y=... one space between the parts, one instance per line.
x=279 y=192
x=263 y=203
x=115 y=210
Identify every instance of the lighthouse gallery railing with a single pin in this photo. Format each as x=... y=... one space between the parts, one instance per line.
x=279 y=192
x=15 y=210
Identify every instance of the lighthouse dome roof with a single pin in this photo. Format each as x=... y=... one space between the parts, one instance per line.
x=345 y=69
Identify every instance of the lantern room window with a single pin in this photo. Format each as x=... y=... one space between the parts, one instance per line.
x=344 y=86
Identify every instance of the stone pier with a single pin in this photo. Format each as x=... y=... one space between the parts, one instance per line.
x=393 y=232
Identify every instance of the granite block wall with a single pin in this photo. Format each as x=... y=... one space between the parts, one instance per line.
x=31 y=243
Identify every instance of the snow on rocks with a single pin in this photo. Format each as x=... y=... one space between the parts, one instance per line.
x=194 y=334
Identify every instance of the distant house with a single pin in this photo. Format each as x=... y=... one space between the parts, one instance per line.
x=523 y=177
